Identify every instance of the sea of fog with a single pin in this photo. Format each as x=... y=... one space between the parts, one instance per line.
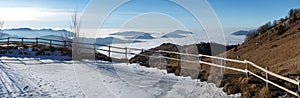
x=130 y=38
x=114 y=76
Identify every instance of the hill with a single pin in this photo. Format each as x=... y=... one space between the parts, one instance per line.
x=279 y=50
x=274 y=45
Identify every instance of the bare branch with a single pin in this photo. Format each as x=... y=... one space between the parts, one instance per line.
x=1 y=24
x=75 y=27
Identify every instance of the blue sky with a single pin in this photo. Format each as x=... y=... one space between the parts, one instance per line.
x=251 y=13
x=233 y=14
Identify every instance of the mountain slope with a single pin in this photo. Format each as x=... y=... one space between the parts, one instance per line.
x=279 y=52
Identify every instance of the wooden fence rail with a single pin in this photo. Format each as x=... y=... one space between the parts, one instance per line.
x=126 y=52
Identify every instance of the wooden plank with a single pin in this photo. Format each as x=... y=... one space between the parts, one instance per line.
x=281 y=87
x=274 y=74
x=226 y=67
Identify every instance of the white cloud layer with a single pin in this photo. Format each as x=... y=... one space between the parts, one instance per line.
x=33 y=14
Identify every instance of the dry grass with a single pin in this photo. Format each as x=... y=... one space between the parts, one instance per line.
x=281 y=54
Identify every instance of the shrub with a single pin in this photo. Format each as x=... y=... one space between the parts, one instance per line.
x=251 y=35
x=281 y=30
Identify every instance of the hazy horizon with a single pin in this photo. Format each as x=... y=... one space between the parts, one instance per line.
x=56 y=14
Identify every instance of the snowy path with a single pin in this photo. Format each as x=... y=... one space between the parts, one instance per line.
x=49 y=78
x=9 y=86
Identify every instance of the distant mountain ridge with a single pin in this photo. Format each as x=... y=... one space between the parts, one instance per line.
x=134 y=35
x=29 y=33
x=177 y=34
x=242 y=32
x=29 y=29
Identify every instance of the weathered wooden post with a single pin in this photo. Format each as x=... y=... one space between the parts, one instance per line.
x=223 y=64
x=109 y=47
x=126 y=56
x=267 y=77
x=65 y=44
x=8 y=42
x=36 y=41
x=22 y=41
x=95 y=50
x=247 y=69
x=200 y=58
x=298 y=87
x=50 y=43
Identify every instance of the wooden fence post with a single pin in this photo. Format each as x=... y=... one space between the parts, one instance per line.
x=65 y=44
x=8 y=42
x=298 y=92
x=267 y=77
x=22 y=40
x=36 y=41
x=200 y=58
x=50 y=43
x=95 y=50
x=223 y=64
x=126 y=56
x=109 y=47
x=247 y=69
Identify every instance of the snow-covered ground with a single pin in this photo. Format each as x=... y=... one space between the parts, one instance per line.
x=28 y=77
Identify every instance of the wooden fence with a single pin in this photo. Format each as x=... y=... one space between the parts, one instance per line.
x=68 y=44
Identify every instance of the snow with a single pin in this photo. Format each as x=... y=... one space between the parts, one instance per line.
x=31 y=77
x=30 y=53
x=23 y=74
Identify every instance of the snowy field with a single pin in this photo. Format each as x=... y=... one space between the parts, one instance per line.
x=28 y=77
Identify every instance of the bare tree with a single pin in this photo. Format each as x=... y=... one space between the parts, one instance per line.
x=75 y=28
x=1 y=26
